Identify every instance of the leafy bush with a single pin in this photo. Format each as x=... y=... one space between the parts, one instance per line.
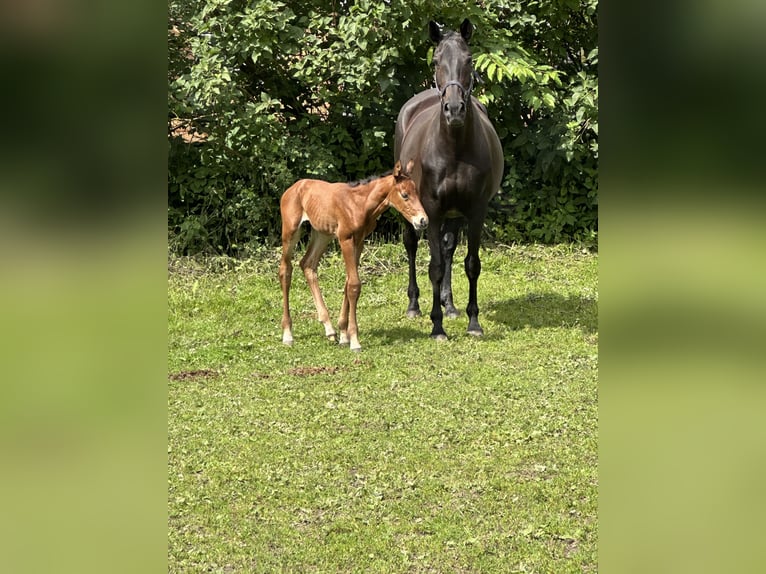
x=264 y=92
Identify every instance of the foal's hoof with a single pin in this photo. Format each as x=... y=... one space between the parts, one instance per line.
x=356 y=349
x=412 y=313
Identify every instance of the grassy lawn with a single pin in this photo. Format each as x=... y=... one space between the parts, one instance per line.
x=470 y=455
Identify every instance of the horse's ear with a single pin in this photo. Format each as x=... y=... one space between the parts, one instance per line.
x=434 y=32
x=410 y=165
x=466 y=30
x=398 y=169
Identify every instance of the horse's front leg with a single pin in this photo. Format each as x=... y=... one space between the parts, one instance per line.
x=436 y=274
x=349 y=332
x=410 y=239
x=472 y=271
x=450 y=235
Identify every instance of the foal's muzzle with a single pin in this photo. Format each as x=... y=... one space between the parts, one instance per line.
x=420 y=223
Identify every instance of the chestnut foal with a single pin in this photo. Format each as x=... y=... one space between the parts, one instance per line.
x=348 y=212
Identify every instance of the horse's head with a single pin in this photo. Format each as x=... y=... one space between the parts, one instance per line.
x=405 y=197
x=453 y=70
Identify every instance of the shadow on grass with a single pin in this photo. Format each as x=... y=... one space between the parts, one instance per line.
x=538 y=310
x=533 y=310
x=398 y=333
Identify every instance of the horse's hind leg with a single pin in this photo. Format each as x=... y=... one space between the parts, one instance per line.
x=472 y=271
x=290 y=235
x=450 y=235
x=410 y=239
x=316 y=248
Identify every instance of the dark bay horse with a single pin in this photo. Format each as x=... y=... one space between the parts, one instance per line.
x=348 y=212
x=458 y=168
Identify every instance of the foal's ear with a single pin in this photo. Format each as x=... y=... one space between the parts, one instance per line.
x=466 y=30
x=434 y=32
x=398 y=169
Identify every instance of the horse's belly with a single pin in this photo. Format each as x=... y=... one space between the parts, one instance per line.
x=327 y=225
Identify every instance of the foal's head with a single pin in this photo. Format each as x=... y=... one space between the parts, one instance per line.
x=453 y=70
x=405 y=197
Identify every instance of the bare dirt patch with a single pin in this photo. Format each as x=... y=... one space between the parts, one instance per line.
x=192 y=375
x=309 y=371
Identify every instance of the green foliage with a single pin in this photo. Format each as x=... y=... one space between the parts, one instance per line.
x=275 y=91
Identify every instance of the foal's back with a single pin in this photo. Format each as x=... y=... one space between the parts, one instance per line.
x=319 y=202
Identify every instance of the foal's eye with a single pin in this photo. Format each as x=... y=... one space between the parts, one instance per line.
x=404 y=194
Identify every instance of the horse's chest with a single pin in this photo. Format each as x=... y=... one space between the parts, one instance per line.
x=454 y=180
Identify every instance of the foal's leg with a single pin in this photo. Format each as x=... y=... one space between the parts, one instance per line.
x=410 y=239
x=347 y=322
x=472 y=271
x=450 y=235
x=290 y=235
x=344 y=308
x=316 y=248
x=436 y=274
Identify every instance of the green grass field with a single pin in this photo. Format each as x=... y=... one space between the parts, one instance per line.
x=470 y=455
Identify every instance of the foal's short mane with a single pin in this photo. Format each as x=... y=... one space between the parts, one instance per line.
x=357 y=183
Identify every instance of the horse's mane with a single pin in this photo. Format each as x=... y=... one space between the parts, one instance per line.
x=450 y=34
x=357 y=183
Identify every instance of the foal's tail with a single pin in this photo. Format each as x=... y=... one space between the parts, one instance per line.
x=291 y=209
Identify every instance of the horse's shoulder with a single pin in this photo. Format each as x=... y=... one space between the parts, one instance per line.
x=426 y=97
x=415 y=113
x=481 y=107
x=417 y=104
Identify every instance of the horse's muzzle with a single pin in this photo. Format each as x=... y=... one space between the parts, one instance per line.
x=454 y=113
x=420 y=223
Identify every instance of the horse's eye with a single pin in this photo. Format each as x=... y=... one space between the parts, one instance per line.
x=404 y=194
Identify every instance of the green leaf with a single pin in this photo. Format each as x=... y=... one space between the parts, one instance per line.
x=491 y=70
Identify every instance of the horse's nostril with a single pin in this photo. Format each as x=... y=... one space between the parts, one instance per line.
x=462 y=106
x=446 y=108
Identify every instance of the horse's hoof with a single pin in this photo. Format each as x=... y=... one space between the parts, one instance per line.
x=413 y=313
x=439 y=337
x=476 y=333
x=356 y=349
x=451 y=313
x=288 y=342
